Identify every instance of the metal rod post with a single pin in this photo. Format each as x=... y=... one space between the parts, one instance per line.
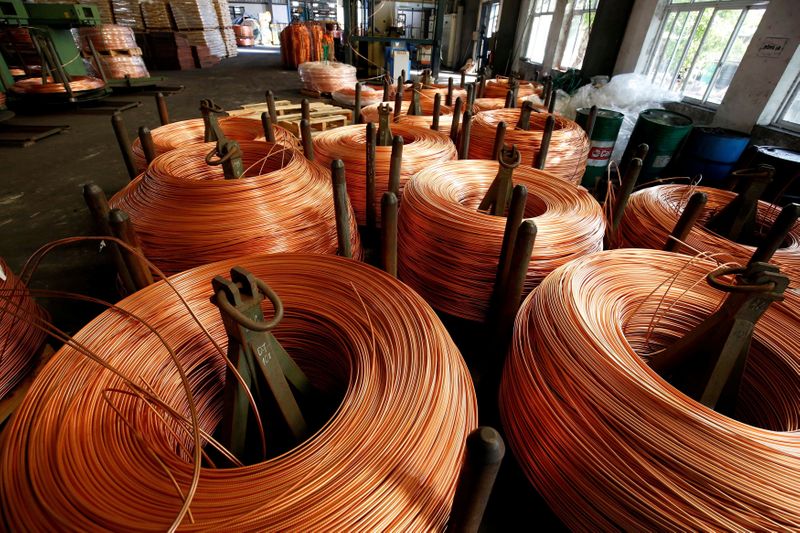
x=266 y=123
x=469 y=98
x=687 y=220
x=305 y=109
x=448 y=101
x=389 y=233
x=122 y=228
x=97 y=202
x=547 y=91
x=395 y=165
x=305 y=137
x=386 y=86
x=398 y=103
x=466 y=130
x=628 y=183
x=484 y=454
x=499 y=139
x=163 y=112
x=524 y=121
x=96 y=58
x=512 y=291
x=482 y=87
x=124 y=143
x=777 y=233
x=371 y=143
x=509 y=97
x=340 y=206
x=437 y=109
x=519 y=196
x=456 y=117
x=146 y=140
x=357 y=105
x=273 y=114
x=399 y=88
x=463 y=78
x=541 y=157
x=590 y=121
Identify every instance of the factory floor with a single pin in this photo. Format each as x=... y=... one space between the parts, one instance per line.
x=41 y=201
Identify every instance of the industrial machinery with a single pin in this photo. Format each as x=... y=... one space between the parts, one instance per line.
x=37 y=40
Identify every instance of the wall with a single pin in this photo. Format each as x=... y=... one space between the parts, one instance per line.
x=640 y=35
x=251 y=9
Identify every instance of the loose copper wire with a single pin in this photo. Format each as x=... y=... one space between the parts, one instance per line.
x=95 y=456
x=19 y=343
x=611 y=445
x=77 y=84
x=187 y=214
x=498 y=88
x=568 y=150
x=181 y=133
x=449 y=251
x=326 y=76
x=422 y=148
x=651 y=215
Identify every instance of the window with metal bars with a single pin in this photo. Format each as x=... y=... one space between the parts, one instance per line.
x=541 y=16
x=579 y=25
x=700 y=46
x=789 y=115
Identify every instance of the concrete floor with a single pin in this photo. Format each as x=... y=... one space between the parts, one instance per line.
x=41 y=201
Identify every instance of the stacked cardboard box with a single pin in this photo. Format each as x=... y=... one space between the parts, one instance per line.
x=226 y=26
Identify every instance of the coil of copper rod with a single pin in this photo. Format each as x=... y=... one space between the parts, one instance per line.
x=568 y=150
x=651 y=215
x=187 y=214
x=108 y=37
x=77 y=84
x=611 y=445
x=177 y=134
x=370 y=113
x=422 y=148
x=498 y=88
x=19 y=342
x=118 y=67
x=449 y=251
x=326 y=76
x=98 y=456
x=347 y=95
x=487 y=104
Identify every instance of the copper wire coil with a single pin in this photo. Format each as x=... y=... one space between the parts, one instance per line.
x=428 y=92
x=89 y=457
x=425 y=121
x=17 y=72
x=192 y=131
x=487 y=104
x=346 y=95
x=108 y=37
x=611 y=445
x=77 y=84
x=449 y=251
x=498 y=88
x=300 y=43
x=2 y=99
x=187 y=214
x=19 y=343
x=245 y=41
x=651 y=215
x=326 y=76
x=118 y=67
x=423 y=147
x=243 y=32
x=370 y=113
x=569 y=146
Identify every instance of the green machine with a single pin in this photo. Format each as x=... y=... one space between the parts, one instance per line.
x=49 y=27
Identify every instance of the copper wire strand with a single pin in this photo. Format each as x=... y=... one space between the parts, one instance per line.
x=187 y=214
x=77 y=84
x=19 y=344
x=185 y=132
x=651 y=215
x=449 y=251
x=423 y=148
x=326 y=76
x=592 y=424
x=568 y=149
x=374 y=467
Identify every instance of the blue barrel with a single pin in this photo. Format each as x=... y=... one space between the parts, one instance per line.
x=712 y=152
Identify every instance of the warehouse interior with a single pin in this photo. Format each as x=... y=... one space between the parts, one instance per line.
x=339 y=265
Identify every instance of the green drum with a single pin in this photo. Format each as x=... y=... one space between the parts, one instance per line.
x=664 y=132
x=604 y=136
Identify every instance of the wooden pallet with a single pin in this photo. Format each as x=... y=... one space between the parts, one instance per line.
x=282 y=107
x=9 y=404
x=322 y=123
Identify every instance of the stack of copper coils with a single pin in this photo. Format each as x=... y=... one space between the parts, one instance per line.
x=244 y=35
x=326 y=76
x=187 y=214
x=652 y=213
x=568 y=149
x=77 y=84
x=20 y=341
x=449 y=251
x=498 y=88
x=301 y=42
x=422 y=148
x=346 y=95
x=116 y=49
x=609 y=443
x=177 y=134
x=124 y=449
